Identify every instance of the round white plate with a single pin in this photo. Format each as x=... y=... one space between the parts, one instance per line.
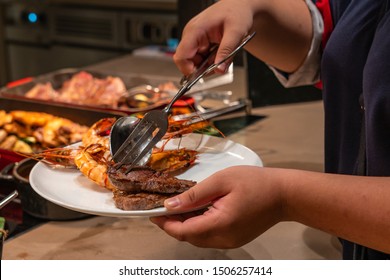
x=71 y=189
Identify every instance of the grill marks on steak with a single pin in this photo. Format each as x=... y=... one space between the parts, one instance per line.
x=146 y=179
x=144 y=188
x=139 y=201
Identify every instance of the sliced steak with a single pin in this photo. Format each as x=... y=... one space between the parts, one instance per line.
x=139 y=201
x=145 y=179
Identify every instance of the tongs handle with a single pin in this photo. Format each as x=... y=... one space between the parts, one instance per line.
x=196 y=117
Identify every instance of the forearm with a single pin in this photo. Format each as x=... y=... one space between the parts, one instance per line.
x=350 y=207
x=284 y=32
x=283 y=27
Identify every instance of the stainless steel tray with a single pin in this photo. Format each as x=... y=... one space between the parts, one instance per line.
x=77 y=114
x=17 y=89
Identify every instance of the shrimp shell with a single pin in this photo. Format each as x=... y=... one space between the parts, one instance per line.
x=93 y=162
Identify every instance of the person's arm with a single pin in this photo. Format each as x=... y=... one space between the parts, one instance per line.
x=246 y=201
x=283 y=32
x=356 y=208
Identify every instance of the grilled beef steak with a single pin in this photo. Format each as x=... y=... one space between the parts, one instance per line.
x=139 y=201
x=144 y=188
x=145 y=179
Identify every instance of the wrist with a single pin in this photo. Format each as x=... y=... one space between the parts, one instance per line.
x=289 y=185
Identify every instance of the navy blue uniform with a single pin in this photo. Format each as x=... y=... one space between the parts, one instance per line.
x=356 y=62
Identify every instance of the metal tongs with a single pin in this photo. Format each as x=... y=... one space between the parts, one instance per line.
x=8 y=199
x=153 y=126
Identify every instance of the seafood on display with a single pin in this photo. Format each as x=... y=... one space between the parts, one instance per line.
x=29 y=132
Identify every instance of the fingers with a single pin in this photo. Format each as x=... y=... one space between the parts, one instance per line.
x=197 y=38
x=186 y=58
x=229 y=42
x=177 y=219
x=196 y=197
x=191 y=227
x=191 y=53
x=222 y=225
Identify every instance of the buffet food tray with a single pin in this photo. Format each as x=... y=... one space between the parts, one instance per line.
x=77 y=114
x=17 y=90
x=12 y=97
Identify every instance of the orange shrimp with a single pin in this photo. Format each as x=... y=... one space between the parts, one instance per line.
x=93 y=162
x=172 y=160
x=97 y=132
x=56 y=157
x=93 y=157
x=65 y=156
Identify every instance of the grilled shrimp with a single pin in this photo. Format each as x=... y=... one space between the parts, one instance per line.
x=172 y=160
x=93 y=162
x=97 y=132
x=93 y=156
x=58 y=157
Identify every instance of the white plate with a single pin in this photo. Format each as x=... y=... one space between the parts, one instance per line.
x=71 y=189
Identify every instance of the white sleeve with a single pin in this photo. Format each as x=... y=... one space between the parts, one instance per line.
x=309 y=72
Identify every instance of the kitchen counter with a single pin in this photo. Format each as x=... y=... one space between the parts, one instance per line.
x=289 y=136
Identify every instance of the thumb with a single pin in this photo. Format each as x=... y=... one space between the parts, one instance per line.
x=198 y=196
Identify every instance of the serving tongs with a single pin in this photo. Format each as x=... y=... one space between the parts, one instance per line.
x=207 y=114
x=8 y=199
x=153 y=126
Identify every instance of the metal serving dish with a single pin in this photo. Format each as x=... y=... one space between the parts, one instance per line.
x=17 y=89
x=75 y=114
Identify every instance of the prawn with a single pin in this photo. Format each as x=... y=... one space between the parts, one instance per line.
x=93 y=161
x=93 y=158
x=172 y=160
x=65 y=157
x=97 y=132
x=56 y=157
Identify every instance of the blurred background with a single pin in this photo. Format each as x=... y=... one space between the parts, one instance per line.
x=38 y=37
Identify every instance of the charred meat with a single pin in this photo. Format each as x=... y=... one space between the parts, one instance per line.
x=144 y=188
x=144 y=179
x=139 y=201
x=83 y=88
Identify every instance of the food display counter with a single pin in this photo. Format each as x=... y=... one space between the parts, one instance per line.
x=278 y=134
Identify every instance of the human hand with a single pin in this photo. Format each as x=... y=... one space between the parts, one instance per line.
x=283 y=33
x=223 y=24
x=244 y=202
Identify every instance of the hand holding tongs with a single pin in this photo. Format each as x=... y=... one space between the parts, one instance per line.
x=154 y=124
x=208 y=66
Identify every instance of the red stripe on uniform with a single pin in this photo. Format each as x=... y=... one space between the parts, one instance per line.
x=324 y=8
